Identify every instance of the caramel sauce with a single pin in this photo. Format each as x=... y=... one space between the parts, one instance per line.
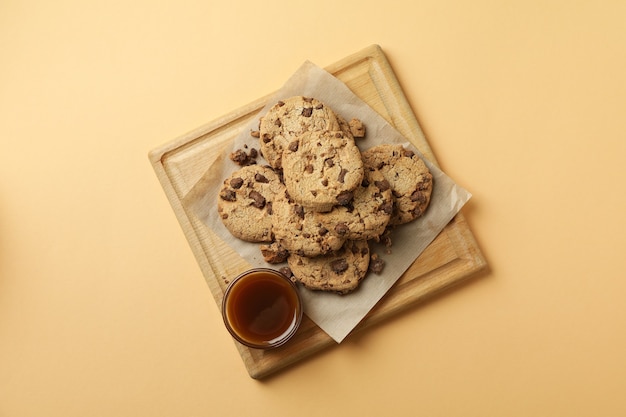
x=262 y=308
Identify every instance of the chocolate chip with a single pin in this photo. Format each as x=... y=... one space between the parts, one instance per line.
x=278 y=123
x=416 y=212
x=307 y=99
x=228 y=195
x=286 y=271
x=408 y=153
x=261 y=178
x=354 y=248
x=387 y=207
x=280 y=103
x=293 y=146
x=418 y=196
x=342 y=175
x=258 y=199
x=425 y=183
x=382 y=185
x=345 y=197
x=329 y=162
x=255 y=134
x=324 y=182
x=308 y=169
x=341 y=228
x=299 y=210
x=236 y=183
x=323 y=231
x=319 y=106
x=339 y=266
x=266 y=137
x=365 y=182
x=338 y=135
x=307 y=111
x=269 y=207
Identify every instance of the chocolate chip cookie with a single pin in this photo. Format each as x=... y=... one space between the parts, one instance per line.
x=340 y=271
x=321 y=169
x=245 y=202
x=366 y=217
x=287 y=120
x=411 y=181
x=296 y=229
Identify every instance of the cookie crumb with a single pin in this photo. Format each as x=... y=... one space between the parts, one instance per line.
x=385 y=238
x=377 y=264
x=241 y=158
x=274 y=253
x=286 y=271
x=357 y=128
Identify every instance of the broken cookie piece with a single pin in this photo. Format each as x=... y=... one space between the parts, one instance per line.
x=340 y=271
x=274 y=253
x=243 y=158
x=377 y=264
x=357 y=128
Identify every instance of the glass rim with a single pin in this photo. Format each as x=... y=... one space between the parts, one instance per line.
x=287 y=335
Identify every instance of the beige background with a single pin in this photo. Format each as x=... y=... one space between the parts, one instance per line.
x=103 y=309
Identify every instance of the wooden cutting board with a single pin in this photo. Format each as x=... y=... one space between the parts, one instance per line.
x=452 y=257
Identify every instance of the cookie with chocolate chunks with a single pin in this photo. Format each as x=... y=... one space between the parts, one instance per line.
x=322 y=169
x=245 y=202
x=367 y=216
x=296 y=229
x=410 y=179
x=288 y=119
x=339 y=272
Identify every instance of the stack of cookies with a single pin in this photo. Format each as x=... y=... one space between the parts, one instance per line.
x=320 y=200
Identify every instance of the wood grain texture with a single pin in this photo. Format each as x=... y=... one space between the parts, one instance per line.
x=452 y=257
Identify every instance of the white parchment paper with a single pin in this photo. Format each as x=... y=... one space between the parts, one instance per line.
x=337 y=314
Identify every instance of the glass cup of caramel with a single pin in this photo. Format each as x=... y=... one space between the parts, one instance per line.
x=262 y=308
